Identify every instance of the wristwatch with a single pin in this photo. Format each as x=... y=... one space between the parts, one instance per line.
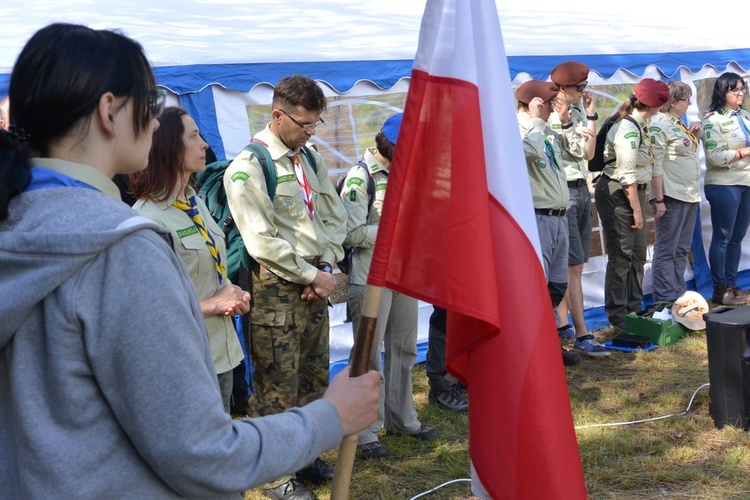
x=325 y=267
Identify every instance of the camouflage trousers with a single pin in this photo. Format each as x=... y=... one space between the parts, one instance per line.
x=288 y=345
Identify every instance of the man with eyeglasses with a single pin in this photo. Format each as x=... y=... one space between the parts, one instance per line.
x=580 y=121
x=293 y=239
x=549 y=188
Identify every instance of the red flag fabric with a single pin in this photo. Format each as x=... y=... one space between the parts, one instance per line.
x=458 y=231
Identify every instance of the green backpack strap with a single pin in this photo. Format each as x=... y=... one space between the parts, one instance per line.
x=310 y=159
x=266 y=164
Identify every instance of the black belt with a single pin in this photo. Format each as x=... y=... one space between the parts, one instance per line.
x=559 y=212
x=577 y=183
x=642 y=187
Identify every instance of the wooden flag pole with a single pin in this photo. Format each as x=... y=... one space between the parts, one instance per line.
x=360 y=364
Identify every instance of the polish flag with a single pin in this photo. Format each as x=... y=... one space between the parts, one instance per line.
x=459 y=231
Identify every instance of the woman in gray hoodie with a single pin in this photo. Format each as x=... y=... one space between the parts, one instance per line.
x=107 y=386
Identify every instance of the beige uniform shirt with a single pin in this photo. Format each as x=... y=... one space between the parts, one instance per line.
x=677 y=160
x=190 y=245
x=574 y=152
x=361 y=232
x=549 y=187
x=78 y=171
x=633 y=162
x=279 y=234
x=723 y=136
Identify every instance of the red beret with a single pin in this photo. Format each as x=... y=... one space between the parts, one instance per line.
x=536 y=88
x=652 y=93
x=569 y=73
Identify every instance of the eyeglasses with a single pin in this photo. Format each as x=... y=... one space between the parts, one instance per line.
x=157 y=101
x=739 y=91
x=307 y=127
x=582 y=87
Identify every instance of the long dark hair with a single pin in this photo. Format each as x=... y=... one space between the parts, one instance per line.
x=725 y=83
x=165 y=160
x=57 y=82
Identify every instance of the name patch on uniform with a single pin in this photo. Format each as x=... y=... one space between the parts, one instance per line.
x=630 y=135
x=188 y=231
x=730 y=122
x=354 y=181
x=240 y=177
x=556 y=126
x=286 y=178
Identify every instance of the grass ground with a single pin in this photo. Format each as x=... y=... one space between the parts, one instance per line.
x=682 y=457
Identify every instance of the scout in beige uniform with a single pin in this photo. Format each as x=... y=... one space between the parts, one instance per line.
x=621 y=199
x=293 y=239
x=167 y=198
x=572 y=77
x=397 y=317
x=549 y=189
x=727 y=184
x=676 y=192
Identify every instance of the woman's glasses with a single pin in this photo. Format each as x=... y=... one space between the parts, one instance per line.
x=157 y=101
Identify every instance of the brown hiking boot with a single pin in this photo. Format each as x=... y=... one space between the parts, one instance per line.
x=733 y=297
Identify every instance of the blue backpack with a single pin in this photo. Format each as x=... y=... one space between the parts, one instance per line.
x=211 y=190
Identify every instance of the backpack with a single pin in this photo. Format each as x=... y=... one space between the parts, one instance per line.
x=211 y=190
x=345 y=264
x=597 y=163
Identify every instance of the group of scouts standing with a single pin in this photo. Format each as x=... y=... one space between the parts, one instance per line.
x=650 y=156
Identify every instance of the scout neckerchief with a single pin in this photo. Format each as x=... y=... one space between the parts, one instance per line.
x=550 y=152
x=192 y=211
x=304 y=185
x=688 y=133
x=650 y=145
x=743 y=127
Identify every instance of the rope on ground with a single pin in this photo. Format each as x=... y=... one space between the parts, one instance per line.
x=690 y=404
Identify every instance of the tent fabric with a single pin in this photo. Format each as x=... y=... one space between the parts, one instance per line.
x=237 y=45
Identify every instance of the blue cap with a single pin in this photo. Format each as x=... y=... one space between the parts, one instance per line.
x=391 y=127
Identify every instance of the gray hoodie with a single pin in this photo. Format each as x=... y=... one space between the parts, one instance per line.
x=107 y=387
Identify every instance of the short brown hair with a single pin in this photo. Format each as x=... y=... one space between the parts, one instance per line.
x=299 y=90
x=677 y=91
x=165 y=160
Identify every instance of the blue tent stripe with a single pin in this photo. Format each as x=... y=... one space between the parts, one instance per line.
x=201 y=107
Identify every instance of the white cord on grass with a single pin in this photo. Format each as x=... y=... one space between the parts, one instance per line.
x=690 y=404
x=438 y=487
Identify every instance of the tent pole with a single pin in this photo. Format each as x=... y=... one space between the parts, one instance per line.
x=360 y=363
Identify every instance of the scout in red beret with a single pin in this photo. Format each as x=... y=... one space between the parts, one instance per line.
x=570 y=73
x=652 y=93
x=546 y=91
